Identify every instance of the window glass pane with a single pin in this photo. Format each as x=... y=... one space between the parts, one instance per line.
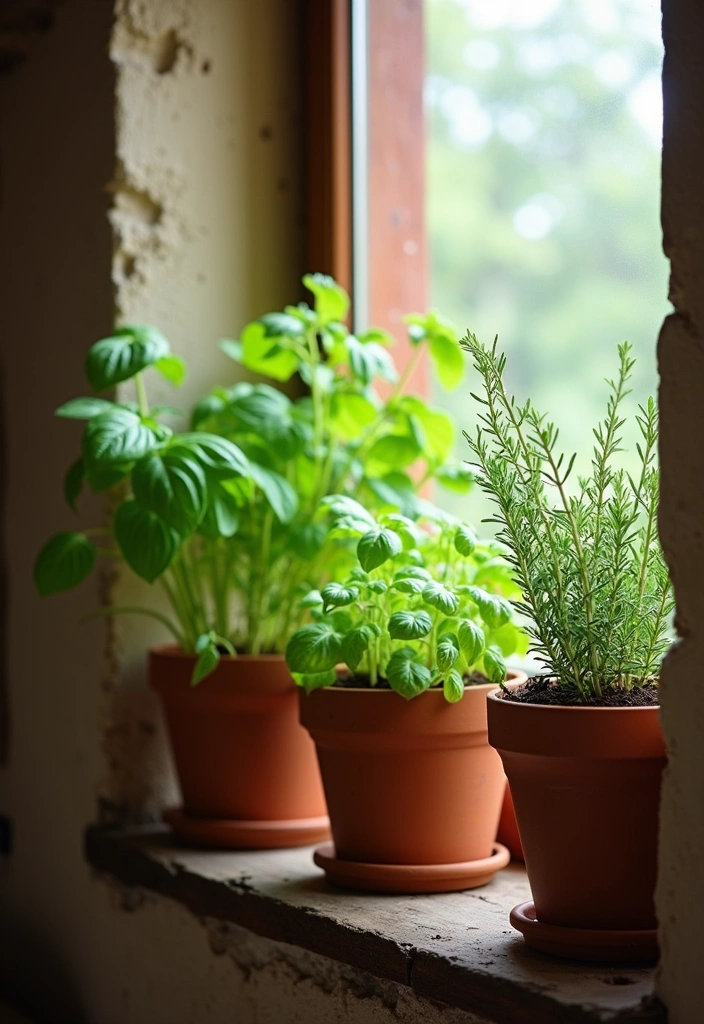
x=543 y=121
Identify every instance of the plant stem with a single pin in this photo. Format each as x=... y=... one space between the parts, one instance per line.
x=141 y=395
x=257 y=637
x=525 y=474
x=137 y=610
x=581 y=559
x=182 y=614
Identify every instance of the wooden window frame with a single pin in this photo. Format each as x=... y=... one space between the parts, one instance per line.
x=397 y=257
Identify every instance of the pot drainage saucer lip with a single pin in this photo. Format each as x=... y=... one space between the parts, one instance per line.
x=231 y=834
x=410 y=878
x=590 y=944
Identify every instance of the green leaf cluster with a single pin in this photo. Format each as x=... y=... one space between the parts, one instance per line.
x=168 y=487
x=222 y=515
x=339 y=438
x=426 y=605
x=595 y=587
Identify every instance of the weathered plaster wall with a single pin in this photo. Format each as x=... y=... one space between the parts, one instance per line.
x=681 y=356
x=208 y=224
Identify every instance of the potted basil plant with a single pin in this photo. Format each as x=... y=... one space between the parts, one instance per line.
x=221 y=518
x=397 y=666
x=581 y=743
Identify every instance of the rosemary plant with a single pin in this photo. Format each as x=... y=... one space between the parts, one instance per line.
x=595 y=587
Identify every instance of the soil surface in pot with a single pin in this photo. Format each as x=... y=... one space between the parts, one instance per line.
x=349 y=681
x=546 y=690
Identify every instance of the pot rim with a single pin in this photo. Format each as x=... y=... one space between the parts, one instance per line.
x=494 y=695
x=172 y=650
x=476 y=687
x=388 y=690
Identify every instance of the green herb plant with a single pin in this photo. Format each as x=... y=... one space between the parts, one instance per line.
x=425 y=605
x=595 y=587
x=222 y=515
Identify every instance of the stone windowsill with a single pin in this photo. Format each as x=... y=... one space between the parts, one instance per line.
x=456 y=948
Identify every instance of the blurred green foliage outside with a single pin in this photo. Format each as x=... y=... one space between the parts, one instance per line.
x=543 y=190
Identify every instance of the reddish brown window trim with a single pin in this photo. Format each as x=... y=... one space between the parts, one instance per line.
x=329 y=150
x=398 y=252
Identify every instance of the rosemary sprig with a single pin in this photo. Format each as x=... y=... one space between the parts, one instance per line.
x=596 y=590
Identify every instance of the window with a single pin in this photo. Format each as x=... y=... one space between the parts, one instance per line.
x=512 y=181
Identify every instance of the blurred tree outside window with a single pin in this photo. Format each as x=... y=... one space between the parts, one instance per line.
x=544 y=122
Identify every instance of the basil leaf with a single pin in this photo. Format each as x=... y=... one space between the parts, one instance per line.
x=409 y=625
x=259 y=352
x=146 y=542
x=494 y=665
x=448 y=651
x=390 y=452
x=342 y=505
x=314 y=680
x=438 y=596
x=465 y=540
x=471 y=638
x=405 y=675
x=436 y=429
x=314 y=648
x=208 y=661
x=350 y=414
x=378 y=546
x=171 y=368
x=355 y=645
x=331 y=301
x=277 y=491
x=448 y=359
x=64 y=562
x=118 y=436
x=456 y=478
x=73 y=483
x=413 y=572
x=129 y=351
x=453 y=687
x=84 y=408
x=218 y=456
x=172 y=484
x=102 y=478
x=494 y=610
x=277 y=324
x=334 y=595
x=408 y=585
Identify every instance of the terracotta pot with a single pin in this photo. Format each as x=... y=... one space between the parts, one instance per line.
x=408 y=782
x=239 y=749
x=586 y=787
x=508 y=827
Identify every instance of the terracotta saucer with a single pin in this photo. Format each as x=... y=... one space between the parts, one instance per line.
x=246 y=835
x=409 y=878
x=591 y=944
